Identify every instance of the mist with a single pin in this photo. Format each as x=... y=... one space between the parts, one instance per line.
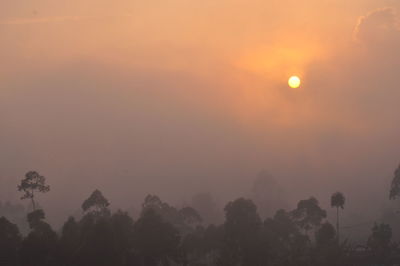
x=175 y=100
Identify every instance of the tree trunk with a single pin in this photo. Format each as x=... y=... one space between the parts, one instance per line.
x=337 y=224
x=33 y=204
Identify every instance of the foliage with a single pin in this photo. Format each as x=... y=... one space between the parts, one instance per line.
x=380 y=239
x=286 y=243
x=96 y=203
x=70 y=237
x=165 y=235
x=338 y=200
x=155 y=240
x=325 y=235
x=39 y=247
x=242 y=243
x=10 y=240
x=395 y=185
x=308 y=214
x=35 y=218
x=185 y=219
x=32 y=182
x=190 y=216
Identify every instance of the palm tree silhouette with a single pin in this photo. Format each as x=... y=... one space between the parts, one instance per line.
x=337 y=200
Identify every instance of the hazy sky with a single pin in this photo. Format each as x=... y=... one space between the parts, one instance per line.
x=175 y=97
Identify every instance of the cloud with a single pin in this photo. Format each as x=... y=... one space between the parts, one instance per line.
x=378 y=26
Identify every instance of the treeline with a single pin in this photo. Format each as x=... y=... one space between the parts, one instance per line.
x=165 y=235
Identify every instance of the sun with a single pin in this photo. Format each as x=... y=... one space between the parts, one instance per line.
x=294 y=82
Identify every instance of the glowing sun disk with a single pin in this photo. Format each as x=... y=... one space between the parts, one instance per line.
x=294 y=82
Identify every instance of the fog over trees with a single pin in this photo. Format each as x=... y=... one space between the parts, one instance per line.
x=168 y=133
x=163 y=234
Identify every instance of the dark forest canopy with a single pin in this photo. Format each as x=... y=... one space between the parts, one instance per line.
x=166 y=235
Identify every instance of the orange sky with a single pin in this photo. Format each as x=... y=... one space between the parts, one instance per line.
x=166 y=90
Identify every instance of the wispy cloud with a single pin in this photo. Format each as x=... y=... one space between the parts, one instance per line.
x=378 y=24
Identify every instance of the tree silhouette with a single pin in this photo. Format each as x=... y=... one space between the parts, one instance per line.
x=98 y=243
x=202 y=246
x=213 y=241
x=32 y=182
x=190 y=216
x=185 y=219
x=155 y=240
x=35 y=218
x=325 y=235
x=395 y=185
x=337 y=201
x=164 y=210
x=380 y=242
x=10 y=240
x=284 y=238
x=69 y=241
x=165 y=235
x=96 y=204
x=242 y=230
x=327 y=252
x=308 y=214
x=39 y=247
x=282 y=226
x=123 y=229
x=193 y=248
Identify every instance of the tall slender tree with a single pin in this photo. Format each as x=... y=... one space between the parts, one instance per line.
x=33 y=182
x=337 y=201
